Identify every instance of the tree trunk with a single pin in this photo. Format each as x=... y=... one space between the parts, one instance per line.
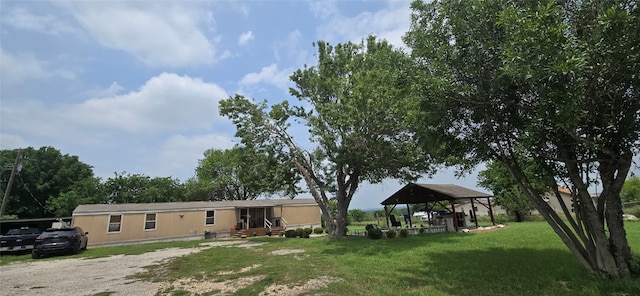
x=317 y=191
x=586 y=234
x=613 y=174
x=343 y=207
x=519 y=216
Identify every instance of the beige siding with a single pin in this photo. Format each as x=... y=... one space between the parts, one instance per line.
x=555 y=204
x=168 y=225
x=481 y=210
x=302 y=216
x=182 y=220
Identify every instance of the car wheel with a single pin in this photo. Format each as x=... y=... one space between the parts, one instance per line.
x=35 y=255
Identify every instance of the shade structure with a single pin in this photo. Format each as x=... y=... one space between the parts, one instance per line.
x=414 y=193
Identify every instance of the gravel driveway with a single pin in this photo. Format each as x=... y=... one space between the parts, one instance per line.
x=83 y=276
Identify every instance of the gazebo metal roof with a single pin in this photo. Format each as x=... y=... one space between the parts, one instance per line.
x=414 y=193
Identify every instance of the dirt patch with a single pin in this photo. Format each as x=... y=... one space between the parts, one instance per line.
x=486 y=229
x=81 y=276
x=207 y=286
x=69 y=276
x=287 y=251
x=243 y=270
x=293 y=290
x=232 y=243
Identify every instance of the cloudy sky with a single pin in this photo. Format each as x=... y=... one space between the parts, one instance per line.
x=134 y=85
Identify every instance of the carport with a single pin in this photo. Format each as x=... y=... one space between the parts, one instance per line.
x=434 y=194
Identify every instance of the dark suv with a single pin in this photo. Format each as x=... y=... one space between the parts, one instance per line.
x=60 y=240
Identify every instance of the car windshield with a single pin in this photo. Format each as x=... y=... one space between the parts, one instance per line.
x=23 y=231
x=55 y=231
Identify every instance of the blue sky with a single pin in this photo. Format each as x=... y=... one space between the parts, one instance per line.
x=134 y=85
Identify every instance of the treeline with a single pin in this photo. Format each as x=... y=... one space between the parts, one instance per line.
x=49 y=183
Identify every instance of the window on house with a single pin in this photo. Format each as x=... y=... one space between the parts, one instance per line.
x=115 y=223
x=210 y=219
x=150 y=221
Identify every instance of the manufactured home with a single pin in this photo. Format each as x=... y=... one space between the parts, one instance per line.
x=127 y=223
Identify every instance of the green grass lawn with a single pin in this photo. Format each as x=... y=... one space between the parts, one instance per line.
x=522 y=259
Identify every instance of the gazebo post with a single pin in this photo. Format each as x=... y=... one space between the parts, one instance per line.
x=386 y=215
x=429 y=211
x=455 y=218
x=473 y=209
x=409 y=212
x=493 y=221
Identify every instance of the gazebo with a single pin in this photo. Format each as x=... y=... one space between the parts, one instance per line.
x=432 y=194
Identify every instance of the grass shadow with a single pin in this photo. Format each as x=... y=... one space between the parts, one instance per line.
x=524 y=271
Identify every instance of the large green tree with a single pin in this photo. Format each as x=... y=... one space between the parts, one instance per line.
x=631 y=189
x=354 y=105
x=86 y=191
x=136 y=188
x=242 y=173
x=559 y=78
x=45 y=177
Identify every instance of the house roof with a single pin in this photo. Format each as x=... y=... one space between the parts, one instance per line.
x=90 y=209
x=413 y=193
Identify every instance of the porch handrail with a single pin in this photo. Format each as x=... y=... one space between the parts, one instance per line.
x=268 y=224
x=284 y=222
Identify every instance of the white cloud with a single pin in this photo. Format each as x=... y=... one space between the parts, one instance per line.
x=390 y=23
x=24 y=67
x=324 y=8
x=165 y=102
x=157 y=33
x=23 y=19
x=245 y=38
x=269 y=75
x=180 y=153
x=291 y=50
x=113 y=89
x=11 y=141
x=17 y=69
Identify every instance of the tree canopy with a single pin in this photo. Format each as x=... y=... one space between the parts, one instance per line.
x=242 y=173
x=631 y=189
x=45 y=175
x=137 y=188
x=496 y=177
x=355 y=103
x=552 y=81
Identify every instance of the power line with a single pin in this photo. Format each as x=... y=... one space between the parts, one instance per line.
x=32 y=196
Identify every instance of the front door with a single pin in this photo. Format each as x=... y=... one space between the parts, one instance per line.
x=243 y=222
x=254 y=217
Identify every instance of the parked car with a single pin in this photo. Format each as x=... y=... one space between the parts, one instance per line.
x=19 y=239
x=60 y=240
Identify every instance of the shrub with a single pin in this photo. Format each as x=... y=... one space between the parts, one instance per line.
x=391 y=233
x=501 y=219
x=306 y=232
x=370 y=226
x=374 y=233
x=318 y=230
x=290 y=233
x=421 y=230
x=404 y=233
x=281 y=233
x=635 y=210
x=299 y=232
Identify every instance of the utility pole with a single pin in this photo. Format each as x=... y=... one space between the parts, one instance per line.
x=10 y=184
